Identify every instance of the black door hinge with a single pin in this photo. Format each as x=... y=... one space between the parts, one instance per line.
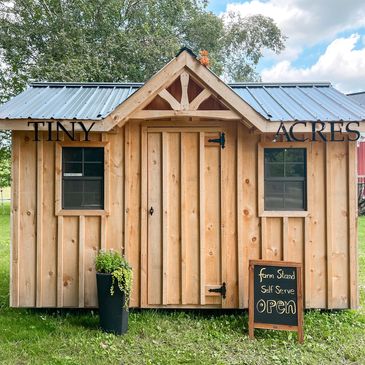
x=222 y=290
x=221 y=140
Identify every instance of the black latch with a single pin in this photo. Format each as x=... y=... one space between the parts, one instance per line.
x=221 y=140
x=222 y=290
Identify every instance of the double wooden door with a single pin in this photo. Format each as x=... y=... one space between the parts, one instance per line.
x=183 y=189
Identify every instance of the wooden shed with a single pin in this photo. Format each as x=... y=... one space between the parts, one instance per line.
x=188 y=177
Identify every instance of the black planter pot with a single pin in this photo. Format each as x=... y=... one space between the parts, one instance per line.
x=113 y=316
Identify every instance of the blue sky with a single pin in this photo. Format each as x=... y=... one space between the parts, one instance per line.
x=326 y=39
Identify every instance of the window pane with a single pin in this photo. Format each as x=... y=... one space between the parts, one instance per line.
x=93 y=169
x=72 y=154
x=72 y=193
x=294 y=195
x=72 y=186
x=94 y=154
x=294 y=170
x=72 y=167
x=285 y=174
x=274 y=187
x=93 y=193
x=274 y=170
x=274 y=155
x=72 y=200
x=295 y=155
x=83 y=192
x=274 y=202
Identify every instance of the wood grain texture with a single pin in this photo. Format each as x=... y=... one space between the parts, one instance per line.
x=192 y=216
x=165 y=156
x=274 y=239
x=352 y=209
x=132 y=198
x=329 y=224
x=317 y=292
x=338 y=203
x=248 y=220
x=173 y=265
x=15 y=218
x=144 y=220
x=183 y=214
x=91 y=246
x=81 y=265
x=59 y=261
x=202 y=217
x=39 y=227
x=27 y=220
x=229 y=251
x=70 y=278
x=154 y=239
x=212 y=254
x=49 y=229
x=213 y=226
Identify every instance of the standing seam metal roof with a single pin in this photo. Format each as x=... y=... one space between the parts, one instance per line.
x=358 y=97
x=80 y=101
x=94 y=101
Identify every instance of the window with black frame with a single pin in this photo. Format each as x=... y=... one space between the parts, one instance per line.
x=285 y=179
x=83 y=178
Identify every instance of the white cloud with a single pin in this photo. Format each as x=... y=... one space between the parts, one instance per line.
x=341 y=64
x=307 y=22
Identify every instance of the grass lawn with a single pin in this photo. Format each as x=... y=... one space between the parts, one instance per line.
x=161 y=337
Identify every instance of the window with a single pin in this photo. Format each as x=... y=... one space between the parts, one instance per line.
x=83 y=178
x=285 y=179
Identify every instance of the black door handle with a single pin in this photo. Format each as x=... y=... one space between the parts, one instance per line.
x=151 y=211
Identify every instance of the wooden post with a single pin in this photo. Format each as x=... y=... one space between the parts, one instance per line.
x=143 y=234
x=202 y=217
x=165 y=215
x=81 y=261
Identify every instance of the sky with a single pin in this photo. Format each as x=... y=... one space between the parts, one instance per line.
x=325 y=40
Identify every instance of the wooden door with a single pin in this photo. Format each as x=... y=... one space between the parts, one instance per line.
x=182 y=178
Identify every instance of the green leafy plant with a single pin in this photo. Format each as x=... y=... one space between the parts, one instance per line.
x=112 y=262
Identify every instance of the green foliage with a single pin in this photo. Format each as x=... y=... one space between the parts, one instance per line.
x=5 y=159
x=112 y=262
x=108 y=261
x=245 y=39
x=123 y=277
x=63 y=337
x=120 y=40
x=123 y=40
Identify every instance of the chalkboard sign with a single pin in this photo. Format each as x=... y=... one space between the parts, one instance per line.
x=276 y=300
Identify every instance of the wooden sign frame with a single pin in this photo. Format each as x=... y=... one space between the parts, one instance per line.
x=251 y=300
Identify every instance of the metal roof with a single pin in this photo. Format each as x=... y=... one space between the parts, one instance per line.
x=94 y=101
x=358 y=97
x=53 y=100
x=299 y=102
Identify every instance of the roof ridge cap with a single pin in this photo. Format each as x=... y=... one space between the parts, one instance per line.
x=299 y=83
x=80 y=84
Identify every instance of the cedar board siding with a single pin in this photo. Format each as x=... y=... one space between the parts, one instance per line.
x=52 y=257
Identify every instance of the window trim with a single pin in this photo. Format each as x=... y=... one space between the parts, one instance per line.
x=59 y=211
x=261 y=180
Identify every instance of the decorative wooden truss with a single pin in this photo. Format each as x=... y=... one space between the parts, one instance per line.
x=184 y=103
x=186 y=97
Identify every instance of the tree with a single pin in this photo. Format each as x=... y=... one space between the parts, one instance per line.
x=123 y=40
x=5 y=154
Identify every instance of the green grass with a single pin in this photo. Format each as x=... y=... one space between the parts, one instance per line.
x=175 y=337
